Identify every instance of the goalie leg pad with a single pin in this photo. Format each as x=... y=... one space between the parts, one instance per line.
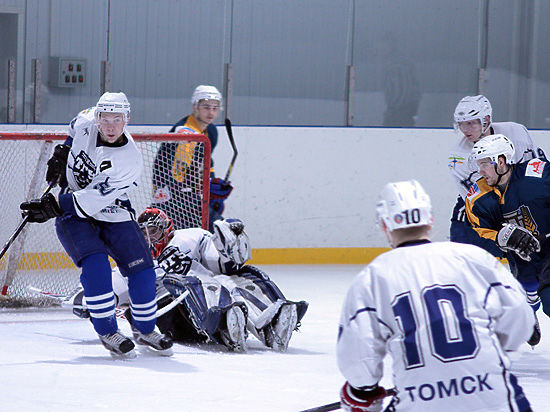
x=207 y=301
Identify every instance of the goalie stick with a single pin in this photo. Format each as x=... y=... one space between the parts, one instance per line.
x=233 y=145
x=336 y=405
x=61 y=299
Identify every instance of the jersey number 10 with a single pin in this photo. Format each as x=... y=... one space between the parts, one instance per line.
x=450 y=332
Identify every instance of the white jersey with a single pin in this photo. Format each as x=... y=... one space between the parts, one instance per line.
x=195 y=244
x=458 y=158
x=99 y=175
x=446 y=312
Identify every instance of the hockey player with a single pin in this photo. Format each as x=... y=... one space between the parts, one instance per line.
x=174 y=160
x=447 y=313
x=509 y=206
x=221 y=295
x=473 y=120
x=96 y=168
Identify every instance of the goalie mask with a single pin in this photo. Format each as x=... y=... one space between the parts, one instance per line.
x=157 y=228
x=403 y=205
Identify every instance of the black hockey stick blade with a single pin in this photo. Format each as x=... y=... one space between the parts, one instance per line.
x=233 y=145
x=336 y=405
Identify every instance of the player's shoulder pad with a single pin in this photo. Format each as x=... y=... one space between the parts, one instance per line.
x=534 y=168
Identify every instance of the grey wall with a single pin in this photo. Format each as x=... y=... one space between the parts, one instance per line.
x=412 y=61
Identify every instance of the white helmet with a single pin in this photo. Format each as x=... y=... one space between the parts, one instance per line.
x=203 y=92
x=404 y=204
x=471 y=108
x=113 y=103
x=492 y=147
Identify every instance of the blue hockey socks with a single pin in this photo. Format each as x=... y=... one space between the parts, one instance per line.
x=98 y=289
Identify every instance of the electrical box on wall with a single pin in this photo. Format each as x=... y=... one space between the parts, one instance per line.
x=67 y=72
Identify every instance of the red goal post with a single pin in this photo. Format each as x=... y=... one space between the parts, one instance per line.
x=175 y=178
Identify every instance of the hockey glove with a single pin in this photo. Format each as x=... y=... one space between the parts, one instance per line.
x=231 y=240
x=518 y=239
x=357 y=400
x=219 y=191
x=41 y=210
x=57 y=165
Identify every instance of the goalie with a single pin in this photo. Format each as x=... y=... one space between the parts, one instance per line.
x=206 y=292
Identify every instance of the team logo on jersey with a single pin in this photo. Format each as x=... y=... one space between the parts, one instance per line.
x=173 y=261
x=473 y=190
x=162 y=195
x=185 y=129
x=522 y=217
x=454 y=160
x=535 y=168
x=83 y=169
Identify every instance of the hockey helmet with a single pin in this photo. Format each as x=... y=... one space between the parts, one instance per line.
x=471 y=108
x=113 y=103
x=204 y=92
x=492 y=147
x=403 y=205
x=157 y=228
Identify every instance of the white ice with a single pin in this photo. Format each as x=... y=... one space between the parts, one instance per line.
x=53 y=361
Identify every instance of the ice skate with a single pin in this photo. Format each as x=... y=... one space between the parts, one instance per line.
x=154 y=341
x=119 y=345
x=279 y=331
x=535 y=337
x=234 y=335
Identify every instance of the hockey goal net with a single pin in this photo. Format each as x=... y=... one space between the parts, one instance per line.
x=175 y=178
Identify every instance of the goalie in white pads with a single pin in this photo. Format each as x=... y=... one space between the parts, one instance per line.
x=448 y=313
x=221 y=298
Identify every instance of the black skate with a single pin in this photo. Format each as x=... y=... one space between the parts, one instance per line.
x=535 y=337
x=234 y=333
x=154 y=341
x=119 y=345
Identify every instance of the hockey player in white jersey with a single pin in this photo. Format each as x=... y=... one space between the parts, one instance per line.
x=96 y=168
x=223 y=298
x=447 y=314
x=473 y=120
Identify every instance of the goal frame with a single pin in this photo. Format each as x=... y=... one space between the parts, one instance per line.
x=48 y=139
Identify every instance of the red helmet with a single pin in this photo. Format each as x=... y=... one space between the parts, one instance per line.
x=157 y=228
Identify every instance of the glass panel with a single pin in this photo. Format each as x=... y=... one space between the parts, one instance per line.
x=413 y=61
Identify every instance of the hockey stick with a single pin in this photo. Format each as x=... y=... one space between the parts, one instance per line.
x=172 y=304
x=21 y=226
x=336 y=405
x=235 y=152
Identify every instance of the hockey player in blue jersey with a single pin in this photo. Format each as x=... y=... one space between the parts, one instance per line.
x=510 y=206
x=447 y=313
x=473 y=120
x=96 y=168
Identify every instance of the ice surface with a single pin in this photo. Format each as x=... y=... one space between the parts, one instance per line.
x=53 y=361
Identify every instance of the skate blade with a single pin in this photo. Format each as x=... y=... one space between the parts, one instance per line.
x=148 y=350
x=124 y=356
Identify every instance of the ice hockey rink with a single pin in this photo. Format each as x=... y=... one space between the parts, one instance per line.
x=53 y=361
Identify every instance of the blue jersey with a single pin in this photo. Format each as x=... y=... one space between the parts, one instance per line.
x=525 y=202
